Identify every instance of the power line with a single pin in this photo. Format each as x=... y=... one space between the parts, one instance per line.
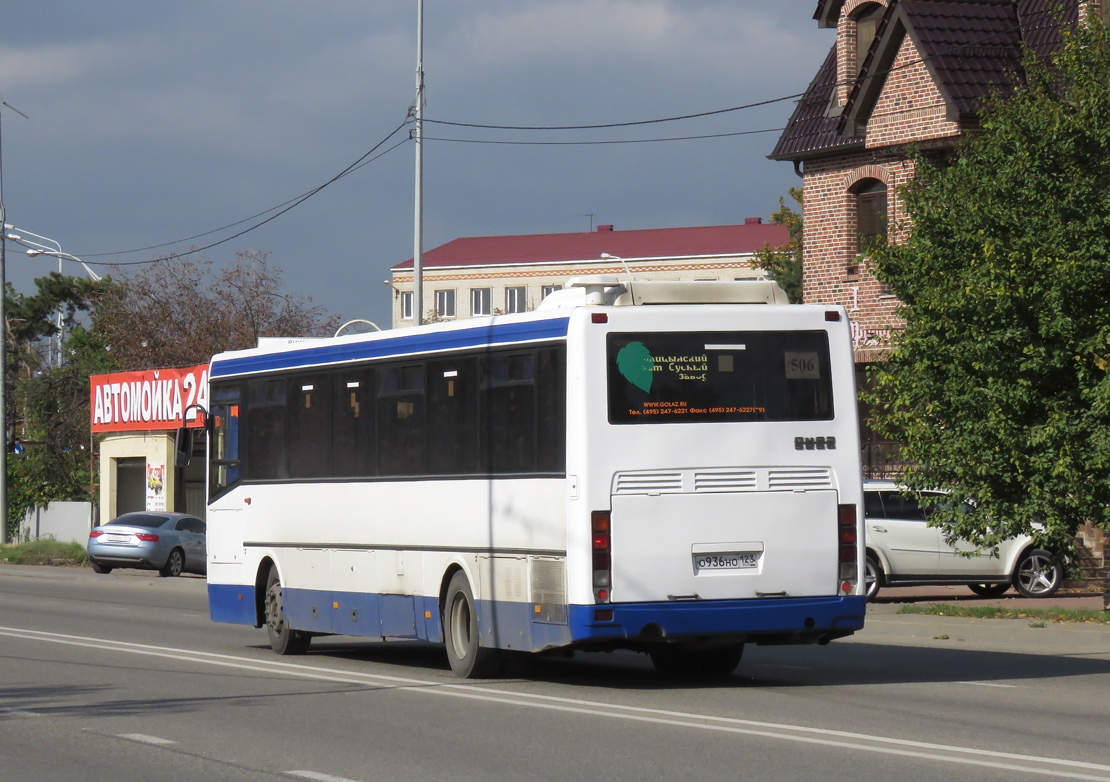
x=634 y=123
x=698 y=115
x=278 y=211
x=365 y=159
x=611 y=141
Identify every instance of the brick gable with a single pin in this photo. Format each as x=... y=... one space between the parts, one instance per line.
x=921 y=81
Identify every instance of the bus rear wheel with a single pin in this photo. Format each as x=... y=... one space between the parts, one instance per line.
x=468 y=658
x=284 y=640
x=689 y=662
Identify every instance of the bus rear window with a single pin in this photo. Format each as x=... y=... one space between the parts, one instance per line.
x=677 y=377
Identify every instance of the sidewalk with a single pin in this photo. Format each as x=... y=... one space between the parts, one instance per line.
x=890 y=599
x=885 y=626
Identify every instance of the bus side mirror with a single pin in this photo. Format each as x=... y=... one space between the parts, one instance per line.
x=183 y=447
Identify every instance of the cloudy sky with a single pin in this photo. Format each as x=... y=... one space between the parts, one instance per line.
x=165 y=123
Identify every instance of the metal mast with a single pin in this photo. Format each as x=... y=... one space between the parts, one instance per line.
x=3 y=351
x=418 y=136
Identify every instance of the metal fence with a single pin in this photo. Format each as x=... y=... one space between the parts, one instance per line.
x=882 y=460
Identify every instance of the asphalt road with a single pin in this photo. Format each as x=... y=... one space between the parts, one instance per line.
x=123 y=677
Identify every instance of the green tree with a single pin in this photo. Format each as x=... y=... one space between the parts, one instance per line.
x=167 y=314
x=783 y=264
x=54 y=463
x=999 y=384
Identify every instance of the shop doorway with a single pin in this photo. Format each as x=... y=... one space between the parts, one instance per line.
x=130 y=485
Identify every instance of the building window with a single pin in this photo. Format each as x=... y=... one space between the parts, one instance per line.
x=479 y=301
x=867 y=24
x=549 y=289
x=406 y=305
x=445 y=304
x=871 y=215
x=515 y=299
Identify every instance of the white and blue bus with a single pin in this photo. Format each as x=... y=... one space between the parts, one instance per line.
x=672 y=469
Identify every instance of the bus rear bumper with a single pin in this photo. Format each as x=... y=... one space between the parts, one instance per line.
x=770 y=621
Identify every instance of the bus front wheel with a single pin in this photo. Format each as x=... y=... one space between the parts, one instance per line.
x=284 y=640
x=468 y=658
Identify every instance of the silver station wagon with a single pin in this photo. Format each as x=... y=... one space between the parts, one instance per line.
x=903 y=550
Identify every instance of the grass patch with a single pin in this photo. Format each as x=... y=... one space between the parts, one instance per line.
x=44 y=552
x=1081 y=615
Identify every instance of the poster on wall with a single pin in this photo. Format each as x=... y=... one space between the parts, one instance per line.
x=155 y=487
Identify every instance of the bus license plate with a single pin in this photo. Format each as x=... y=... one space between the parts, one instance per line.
x=726 y=561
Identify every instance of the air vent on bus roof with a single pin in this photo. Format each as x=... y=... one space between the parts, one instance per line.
x=608 y=290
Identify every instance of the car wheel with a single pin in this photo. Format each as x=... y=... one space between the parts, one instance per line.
x=98 y=568
x=988 y=590
x=1038 y=574
x=175 y=563
x=686 y=662
x=284 y=640
x=468 y=658
x=873 y=576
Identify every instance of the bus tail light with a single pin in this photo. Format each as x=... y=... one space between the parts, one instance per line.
x=602 y=551
x=847 y=539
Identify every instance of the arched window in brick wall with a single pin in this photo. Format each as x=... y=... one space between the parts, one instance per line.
x=867 y=21
x=871 y=214
x=869 y=198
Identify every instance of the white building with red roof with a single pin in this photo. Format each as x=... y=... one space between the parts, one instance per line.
x=488 y=275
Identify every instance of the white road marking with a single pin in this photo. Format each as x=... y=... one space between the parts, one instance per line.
x=319 y=777
x=989 y=684
x=836 y=739
x=145 y=739
x=18 y=712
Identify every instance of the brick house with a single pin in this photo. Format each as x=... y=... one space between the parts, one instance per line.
x=489 y=275
x=899 y=72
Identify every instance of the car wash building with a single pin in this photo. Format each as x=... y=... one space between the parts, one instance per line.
x=136 y=416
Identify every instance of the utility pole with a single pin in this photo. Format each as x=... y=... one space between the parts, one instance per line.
x=4 y=345
x=3 y=359
x=418 y=136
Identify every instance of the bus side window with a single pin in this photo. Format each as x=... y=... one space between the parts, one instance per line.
x=266 y=428
x=309 y=414
x=551 y=410
x=401 y=420
x=354 y=437
x=508 y=414
x=224 y=469
x=452 y=430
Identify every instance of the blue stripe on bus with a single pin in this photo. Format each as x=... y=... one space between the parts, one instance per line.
x=775 y=616
x=511 y=625
x=232 y=603
x=456 y=339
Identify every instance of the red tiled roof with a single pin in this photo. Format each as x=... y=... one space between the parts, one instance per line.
x=647 y=243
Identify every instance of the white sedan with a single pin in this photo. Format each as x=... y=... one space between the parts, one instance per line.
x=903 y=550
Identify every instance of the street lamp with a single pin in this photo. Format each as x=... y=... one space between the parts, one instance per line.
x=67 y=256
x=35 y=249
x=58 y=247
